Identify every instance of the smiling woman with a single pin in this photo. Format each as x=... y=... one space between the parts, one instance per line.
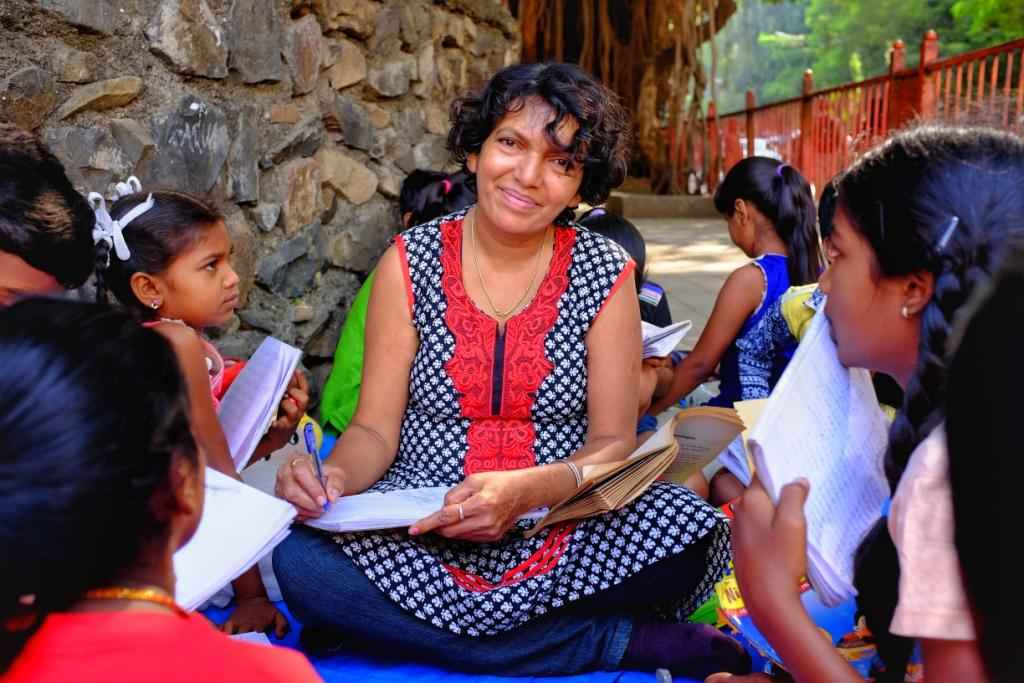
x=502 y=355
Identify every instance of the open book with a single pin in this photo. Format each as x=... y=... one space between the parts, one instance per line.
x=239 y=526
x=683 y=445
x=661 y=341
x=250 y=404
x=823 y=422
x=736 y=458
x=387 y=510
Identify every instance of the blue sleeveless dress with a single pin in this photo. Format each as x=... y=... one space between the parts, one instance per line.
x=774 y=268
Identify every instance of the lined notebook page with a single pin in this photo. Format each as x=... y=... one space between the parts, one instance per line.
x=250 y=404
x=239 y=526
x=659 y=342
x=823 y=422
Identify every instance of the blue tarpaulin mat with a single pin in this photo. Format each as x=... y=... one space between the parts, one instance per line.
x=353 y=667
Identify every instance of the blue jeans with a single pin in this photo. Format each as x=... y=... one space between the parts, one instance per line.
x=324 y=589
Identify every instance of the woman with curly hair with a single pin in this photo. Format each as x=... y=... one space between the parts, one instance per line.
x=502 y=355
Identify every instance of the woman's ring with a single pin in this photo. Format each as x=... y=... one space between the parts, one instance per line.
x=462 y=515
x=295 y=461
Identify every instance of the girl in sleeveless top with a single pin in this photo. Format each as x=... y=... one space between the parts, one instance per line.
x=168 y=256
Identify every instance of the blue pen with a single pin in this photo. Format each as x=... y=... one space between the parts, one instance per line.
x=310 y=439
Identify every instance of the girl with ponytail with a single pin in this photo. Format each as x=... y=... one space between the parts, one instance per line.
x=921 y=223
x=771 y=216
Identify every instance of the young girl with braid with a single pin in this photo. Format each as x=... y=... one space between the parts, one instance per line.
x=921 y=223
x=167 y=256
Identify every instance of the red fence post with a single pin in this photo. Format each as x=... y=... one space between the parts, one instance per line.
x=806 y=160
x=714 y=145
x=926 y=105
x=898 y=111
x=751 y=103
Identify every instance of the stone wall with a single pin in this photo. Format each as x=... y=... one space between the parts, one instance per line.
x=298 y=118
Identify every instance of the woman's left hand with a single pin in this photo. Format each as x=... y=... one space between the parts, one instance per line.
x=293 y=407
x=256 y=614
x=482 y=508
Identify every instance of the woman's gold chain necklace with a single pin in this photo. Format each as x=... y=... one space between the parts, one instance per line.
x=502 y=315
x=137 y=594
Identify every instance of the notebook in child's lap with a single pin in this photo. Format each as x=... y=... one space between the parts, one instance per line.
x=238 y=527
x=250 y=404
x=823 y=422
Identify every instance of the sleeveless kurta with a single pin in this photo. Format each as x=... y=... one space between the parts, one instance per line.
x=479 y=401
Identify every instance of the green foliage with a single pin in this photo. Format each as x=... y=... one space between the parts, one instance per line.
x=768 y=44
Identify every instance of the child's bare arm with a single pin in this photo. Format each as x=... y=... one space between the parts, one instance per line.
x=738 y=298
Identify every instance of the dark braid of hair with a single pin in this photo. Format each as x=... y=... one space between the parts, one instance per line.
x=903 y=197
x=103 y=256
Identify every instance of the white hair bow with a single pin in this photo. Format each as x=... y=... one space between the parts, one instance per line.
x=111 y=231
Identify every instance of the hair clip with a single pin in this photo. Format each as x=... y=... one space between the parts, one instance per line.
x=778 y=169
x=447 y=185
x=594 y=213
x=950 y=227
x=111 y=231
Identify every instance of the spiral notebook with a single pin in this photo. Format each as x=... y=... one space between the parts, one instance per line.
x=250 y=404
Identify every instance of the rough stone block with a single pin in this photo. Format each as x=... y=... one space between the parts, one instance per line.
x=27 y=97
x=93 y=15
x=284 y=113
x=296 y=187
x=391 y=77
x=108 y=94
x=352 y=179
x=354 y=17
x=302 y=52
x=243 y=158
x=91 y=156
x=357 y=239
x=134 y=140
x=188 y=35
x=302 y=139
x=73 y=66
x=243 y=258
x=192 y=146
x=348 y=117
x=349 y=66
x=256 y=41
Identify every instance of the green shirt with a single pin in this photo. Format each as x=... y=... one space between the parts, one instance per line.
x=341 y=393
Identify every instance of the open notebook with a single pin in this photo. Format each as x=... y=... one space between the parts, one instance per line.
x=239 y=526
x=823 y=422
x=661 y=341
x=682 y=446
x=250 y=404
x=736 y=458
x=375 y=510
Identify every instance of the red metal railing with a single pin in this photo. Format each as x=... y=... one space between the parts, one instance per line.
x=821 y=131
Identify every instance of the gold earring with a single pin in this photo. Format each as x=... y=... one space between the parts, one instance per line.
x=905 y=312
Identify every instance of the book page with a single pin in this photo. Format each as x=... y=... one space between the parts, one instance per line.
x=659 y=342
x=239 y=526
x=701 y=439
x=736 y=458
x=250 y=404
x=823 y=422
x=390 y=510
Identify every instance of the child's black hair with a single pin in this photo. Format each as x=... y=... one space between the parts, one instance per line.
x=827 y=209
x=623 y=233
x=941 y=199
x=93 y=413
x=784 y=197
x=43 y=220
x=982 y=409
x=600 y=145
x=430 y=194
x=155 y=239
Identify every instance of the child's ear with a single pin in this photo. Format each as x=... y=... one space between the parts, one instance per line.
x=183 y=495
x=740 y=210
x=918 y=289
x=148 y=289
x=472 y=159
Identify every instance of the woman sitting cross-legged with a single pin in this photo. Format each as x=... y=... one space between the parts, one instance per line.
x=100 y=483
x=503 y=353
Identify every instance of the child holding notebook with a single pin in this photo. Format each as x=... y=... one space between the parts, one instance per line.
x=167 y=255
x=921 y=225
x=101 y=482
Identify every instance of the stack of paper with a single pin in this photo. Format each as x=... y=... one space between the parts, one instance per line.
x=736 y=458
x=661 y=341
x=823 y=422
x=394 y=509
x=250 y=405
x=239 y=526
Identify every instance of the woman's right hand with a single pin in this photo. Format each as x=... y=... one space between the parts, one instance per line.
x=297 y=483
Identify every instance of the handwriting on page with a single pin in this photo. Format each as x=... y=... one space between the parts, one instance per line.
x=823 y=423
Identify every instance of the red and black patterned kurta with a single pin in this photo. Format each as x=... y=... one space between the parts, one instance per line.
x=482 y=401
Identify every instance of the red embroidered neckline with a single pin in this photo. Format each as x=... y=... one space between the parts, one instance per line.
x=504 y=441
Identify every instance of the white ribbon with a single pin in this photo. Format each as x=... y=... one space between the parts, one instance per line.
x=111 y=231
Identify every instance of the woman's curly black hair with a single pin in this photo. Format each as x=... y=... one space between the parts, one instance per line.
x=600 y=145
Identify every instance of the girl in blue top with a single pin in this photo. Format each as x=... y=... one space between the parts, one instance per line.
x=771 y=216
